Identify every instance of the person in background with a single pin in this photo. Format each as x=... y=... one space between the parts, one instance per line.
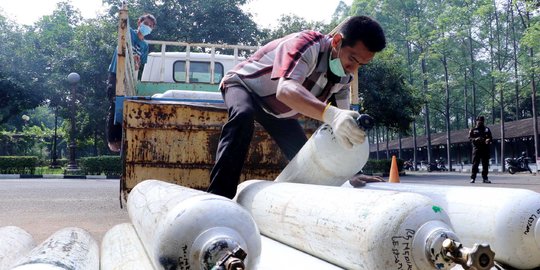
x=291 y=76
x=145 y=24
x=481 y=138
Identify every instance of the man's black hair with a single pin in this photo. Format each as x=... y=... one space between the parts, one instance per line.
x=148 y=16
x=365 y=29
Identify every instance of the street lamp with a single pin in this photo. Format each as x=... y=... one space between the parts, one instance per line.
x=54 y=163
x=73 y=79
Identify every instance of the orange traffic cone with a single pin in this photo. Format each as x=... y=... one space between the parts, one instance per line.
x=394 y=174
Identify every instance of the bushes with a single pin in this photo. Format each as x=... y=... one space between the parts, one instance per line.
x=108 y=165
x=381 y=166
x=18 y=164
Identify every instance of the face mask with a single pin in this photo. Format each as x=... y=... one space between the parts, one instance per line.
x=336 y=67
x=145 y=29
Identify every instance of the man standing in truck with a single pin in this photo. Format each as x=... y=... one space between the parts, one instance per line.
x=297 y=74
x=145 y=24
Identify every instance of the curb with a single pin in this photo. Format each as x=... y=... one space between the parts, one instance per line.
x=57 y=176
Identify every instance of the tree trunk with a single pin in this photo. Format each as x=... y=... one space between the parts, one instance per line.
x=501 y=92
x=527 y=24
x=411 y=81
x=415 y=146
x=465 y=100
x=516 y=78
x=492 y=66
x=471 y=53
x=377 y=136
x=447 y=113
x=399 y=152
x=387 y=150
x=533 y=96
x=426 y=108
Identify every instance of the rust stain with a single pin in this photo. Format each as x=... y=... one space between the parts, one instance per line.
x=177 y=143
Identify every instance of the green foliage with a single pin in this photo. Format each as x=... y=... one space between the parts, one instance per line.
x=18 y=165
x=210 y=21
x=288 y=24
x=14 y=98
x=381 y=85
x=381 y=166
x=108 y=165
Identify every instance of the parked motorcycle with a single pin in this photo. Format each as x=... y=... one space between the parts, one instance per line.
x=437 y=165
x=520 y=164
x=408 y=165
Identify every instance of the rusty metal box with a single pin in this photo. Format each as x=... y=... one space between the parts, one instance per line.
x=176 y=142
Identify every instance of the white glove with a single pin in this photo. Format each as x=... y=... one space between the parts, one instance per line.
x=343 y=123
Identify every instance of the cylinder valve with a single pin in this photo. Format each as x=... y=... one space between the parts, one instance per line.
x=480 y=257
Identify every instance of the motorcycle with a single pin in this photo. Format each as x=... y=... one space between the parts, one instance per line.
x=520 y=164
x=437 y=165
x=408 y=165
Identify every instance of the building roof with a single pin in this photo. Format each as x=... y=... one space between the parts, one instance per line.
x=515 y=129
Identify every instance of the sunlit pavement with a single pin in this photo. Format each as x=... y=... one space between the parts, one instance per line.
x=518 y=180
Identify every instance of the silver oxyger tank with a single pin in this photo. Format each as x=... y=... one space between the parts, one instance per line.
x=68 y=248
x=323 y=161
x=183 y=228
x=121 y=249
x=506 y=218
x=14 y=244
x=359 y=229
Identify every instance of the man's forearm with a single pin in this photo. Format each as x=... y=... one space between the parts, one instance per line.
x=298 y=98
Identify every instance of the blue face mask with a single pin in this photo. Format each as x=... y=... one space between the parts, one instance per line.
x=335 y=65
x=145 y=29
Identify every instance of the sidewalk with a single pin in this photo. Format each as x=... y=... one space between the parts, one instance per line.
x=467 y=168
x=519 y=180
x=56 y=176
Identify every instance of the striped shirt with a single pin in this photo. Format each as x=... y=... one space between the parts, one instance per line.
x=300 y=56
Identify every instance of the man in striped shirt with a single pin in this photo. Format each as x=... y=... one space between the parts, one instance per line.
x=294 y=75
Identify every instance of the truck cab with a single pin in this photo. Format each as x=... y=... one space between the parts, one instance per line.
x=186 y=70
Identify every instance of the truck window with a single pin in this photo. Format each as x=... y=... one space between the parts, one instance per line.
x=199 y=72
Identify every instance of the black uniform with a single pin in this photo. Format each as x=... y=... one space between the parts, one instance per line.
x=481 y=138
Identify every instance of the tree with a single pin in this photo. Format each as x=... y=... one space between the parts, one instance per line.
x=17 y=92
x=380 y=83
x=291 y=23
x=209 y=21
x=14 y=99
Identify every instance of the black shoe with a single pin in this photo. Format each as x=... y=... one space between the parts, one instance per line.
x=472 y=181
x=486 y=181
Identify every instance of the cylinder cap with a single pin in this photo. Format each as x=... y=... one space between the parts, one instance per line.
x=365 y=121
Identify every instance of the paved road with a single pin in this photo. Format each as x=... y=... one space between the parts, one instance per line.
x=521 y=180
x=43 y=206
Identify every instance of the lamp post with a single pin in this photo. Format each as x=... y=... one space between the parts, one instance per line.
x=73 y=79
x=54 y=163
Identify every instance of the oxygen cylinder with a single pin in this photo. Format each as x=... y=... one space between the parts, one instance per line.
x=14 y=244
x=323 y=161
x=183 y=228
x=185 y=95
x=276 y=255
x=507 y=218
x=357 y=229
x=66 y=249
x=121 y=249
